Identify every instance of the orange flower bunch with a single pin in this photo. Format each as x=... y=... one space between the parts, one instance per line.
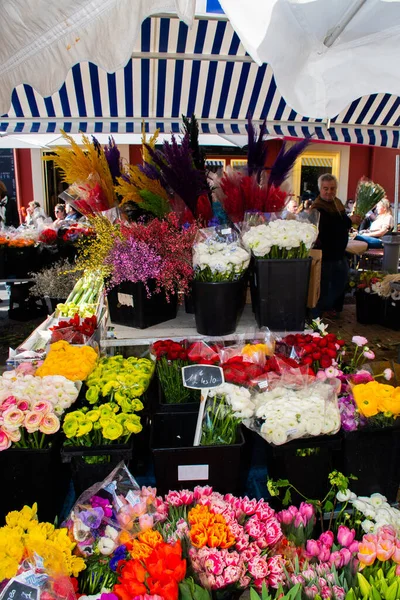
x=159 y=573
x=73 y=362
x=142 y=546
x=209 y=529
x=20 y=243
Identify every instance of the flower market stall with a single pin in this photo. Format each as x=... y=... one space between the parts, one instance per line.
x=141 y=447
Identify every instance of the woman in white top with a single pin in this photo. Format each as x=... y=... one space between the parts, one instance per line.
x=380 y=227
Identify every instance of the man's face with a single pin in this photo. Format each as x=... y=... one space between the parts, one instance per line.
x=328 y=190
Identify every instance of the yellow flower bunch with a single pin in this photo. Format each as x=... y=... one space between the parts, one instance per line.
x=102 y=425
x=373 y=398
x=258 y=349
x=23 y=536
x=121 y=380
x=73 y=362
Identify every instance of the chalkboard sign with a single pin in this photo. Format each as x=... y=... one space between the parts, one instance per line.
x=16 y=590
x=202 y=377
x=7 y=171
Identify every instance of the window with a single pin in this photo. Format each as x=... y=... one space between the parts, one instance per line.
x=216 y=166
x=238 y=164
x=309 y=166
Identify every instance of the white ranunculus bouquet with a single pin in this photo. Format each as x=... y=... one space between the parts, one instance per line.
x=287 y=412
x=281 y=239
x=219 y=256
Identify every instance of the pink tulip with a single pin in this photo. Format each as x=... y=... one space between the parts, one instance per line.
x=293 y=509
x=326 y=593
x=354 y=547
x=146 y=522
x=311 y=591
x=370 y=537
x=387 y=532
x=307 y=511
x=396 y=553
x=285 y=517
x=345 y=536
x=313 y=547
x=327 y=538
x=336 y=559
x=299 y=521
x=346 y=555
x=385 y=549
x=324 y=553
x=366 y=552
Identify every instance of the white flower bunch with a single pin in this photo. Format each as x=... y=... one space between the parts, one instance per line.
x=286 y=236
x=375 y=508
x=238 y=398
x=222 y=261
x=56 y=389
x=289 y=413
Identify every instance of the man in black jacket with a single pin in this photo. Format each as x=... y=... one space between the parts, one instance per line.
x=8 y=209
x=333 y=237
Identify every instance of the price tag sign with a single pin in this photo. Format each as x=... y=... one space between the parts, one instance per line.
x=17 y=590
x=202 y=377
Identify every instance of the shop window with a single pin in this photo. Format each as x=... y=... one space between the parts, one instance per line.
x=216 y=166
x=309 y=166
x=238 y=164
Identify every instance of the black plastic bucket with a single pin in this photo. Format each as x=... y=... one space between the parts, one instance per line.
x=279 y=293
x=218 y=306
x=369 y=308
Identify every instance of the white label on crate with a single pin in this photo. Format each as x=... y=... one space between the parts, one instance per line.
x=263 y=384
x=125 y=299
x=193 y=473
x=226 y=231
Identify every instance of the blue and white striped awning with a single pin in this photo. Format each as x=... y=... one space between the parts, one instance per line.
x=205 y=71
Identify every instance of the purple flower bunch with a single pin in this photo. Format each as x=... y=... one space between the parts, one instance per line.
x=133 y=260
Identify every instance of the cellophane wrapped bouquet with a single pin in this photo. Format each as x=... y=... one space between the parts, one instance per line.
x=169 y=358
x=31 y=407
x=368 y=194
x=270 y=236
x=105 y=523
x=296 y=405
x=218 y=255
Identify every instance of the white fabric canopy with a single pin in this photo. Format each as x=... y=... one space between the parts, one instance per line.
x=41 y=39
x=324 y=53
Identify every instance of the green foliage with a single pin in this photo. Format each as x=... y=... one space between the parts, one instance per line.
x=189 y=590
x=154 y=204
x=293 y=594
x=378 y=586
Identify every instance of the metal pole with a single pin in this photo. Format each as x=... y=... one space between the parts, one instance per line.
x=396 y=192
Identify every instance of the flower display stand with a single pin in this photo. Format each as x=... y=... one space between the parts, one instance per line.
x=84 y=466
x=279 y=290
x=179 y=465
x=369 y=308
x=129 y=305
x=372 y=455
x=218 y=306
x=30 y=476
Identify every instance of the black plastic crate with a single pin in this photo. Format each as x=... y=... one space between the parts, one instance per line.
x=19 y=262
x=390 y=314
x=180 y=465
x=306 y=463
x=83 y=474
x=160 y=404
x=373 y=456
x=129 y=305
x=30 y=476
x=279 y=293
x=370 y=308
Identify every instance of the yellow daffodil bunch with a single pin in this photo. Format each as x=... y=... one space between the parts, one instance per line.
x=23 y=537
x=104 y=424
x=73 y=362
x=373 y=398
x=120 y=380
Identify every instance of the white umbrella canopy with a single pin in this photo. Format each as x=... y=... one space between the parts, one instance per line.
x=324 y=53
x=42 y=40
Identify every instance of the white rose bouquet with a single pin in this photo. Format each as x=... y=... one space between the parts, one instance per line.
x=281 y=239
x=219 y=256
x=290 y=412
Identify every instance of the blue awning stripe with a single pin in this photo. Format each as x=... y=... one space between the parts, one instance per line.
x=161 y=89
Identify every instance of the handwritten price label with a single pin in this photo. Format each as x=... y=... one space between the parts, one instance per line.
x=202 y=377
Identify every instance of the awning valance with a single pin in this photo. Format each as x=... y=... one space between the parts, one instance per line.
x=309 y=161
x=204 y=70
